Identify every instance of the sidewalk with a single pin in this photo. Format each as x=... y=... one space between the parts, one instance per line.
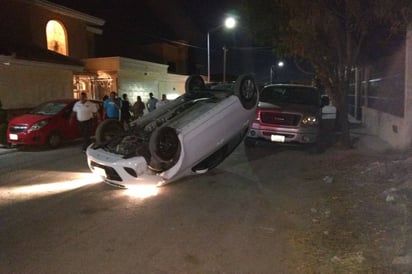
x=366 y=141
x=6 y=150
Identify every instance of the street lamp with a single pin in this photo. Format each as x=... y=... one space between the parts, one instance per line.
x=229 y=23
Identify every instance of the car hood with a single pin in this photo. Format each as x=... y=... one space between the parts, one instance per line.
x=29 y=119
x=289 y=107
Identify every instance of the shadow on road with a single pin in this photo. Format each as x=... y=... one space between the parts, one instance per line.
x=263 y=148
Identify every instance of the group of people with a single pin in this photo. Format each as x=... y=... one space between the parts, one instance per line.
x=154 y=103
x=113 y=108
x=122 y=109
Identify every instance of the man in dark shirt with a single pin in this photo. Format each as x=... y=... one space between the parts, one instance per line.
x=125 y=111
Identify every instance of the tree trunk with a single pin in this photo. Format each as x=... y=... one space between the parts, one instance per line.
x=342 y=115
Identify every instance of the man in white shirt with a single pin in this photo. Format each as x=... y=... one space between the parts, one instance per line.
x=84 y=111
x=162 y=101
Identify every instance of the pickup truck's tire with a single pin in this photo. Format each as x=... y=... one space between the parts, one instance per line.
x=164 y=146
x=246 y=90
x=193 y=83
x=107 y=130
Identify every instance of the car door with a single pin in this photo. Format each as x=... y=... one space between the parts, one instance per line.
x=69 y=130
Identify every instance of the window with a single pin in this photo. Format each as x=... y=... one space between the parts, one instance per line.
x=56 y=37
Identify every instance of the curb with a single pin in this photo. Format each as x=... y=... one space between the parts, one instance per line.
x=6 y=150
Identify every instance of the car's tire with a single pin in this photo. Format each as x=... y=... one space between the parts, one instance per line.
x=246 y=90
x=107 y=130
x=54 y=140
x=194 y=83
x=164 y=147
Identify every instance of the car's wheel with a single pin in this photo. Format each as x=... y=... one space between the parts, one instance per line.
x=246 y=90
x=164 y=146
x=193 y=83
x=107 y=130
x=54 y=140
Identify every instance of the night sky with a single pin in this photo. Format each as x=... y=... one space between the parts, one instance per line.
x=134 y=22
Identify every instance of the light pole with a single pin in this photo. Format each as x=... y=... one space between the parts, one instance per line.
x=273 y=73
x=224 y=63
x=230 y=23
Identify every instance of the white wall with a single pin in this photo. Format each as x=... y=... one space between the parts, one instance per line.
x=139 y=78
x=392 y=129
x=397 y=131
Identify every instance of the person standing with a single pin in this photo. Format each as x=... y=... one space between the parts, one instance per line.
x=151 y=103
x=112 y=107
x=84 y=111
x=162 y=101
x=138 y=108
x=125 y=111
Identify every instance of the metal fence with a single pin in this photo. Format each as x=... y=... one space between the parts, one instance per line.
x=380 y=86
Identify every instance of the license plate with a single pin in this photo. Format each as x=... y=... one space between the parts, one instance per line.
x=277 y=138
x=13 y=137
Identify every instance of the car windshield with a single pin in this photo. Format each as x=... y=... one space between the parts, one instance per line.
x=49 y=108
x=290 y=95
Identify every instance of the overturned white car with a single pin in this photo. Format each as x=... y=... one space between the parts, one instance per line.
x=190 y=135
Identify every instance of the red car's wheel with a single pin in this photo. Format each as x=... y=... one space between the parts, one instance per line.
x=54 y=140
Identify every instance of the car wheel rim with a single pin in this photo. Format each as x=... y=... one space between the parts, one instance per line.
x=167 y=146
x=54 y=140
x=248 y=89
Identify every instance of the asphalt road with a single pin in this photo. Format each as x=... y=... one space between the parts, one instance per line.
x=267 y=209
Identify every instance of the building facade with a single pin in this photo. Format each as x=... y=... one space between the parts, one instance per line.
x=41 y=45
x=131 y=77
x=47 y=51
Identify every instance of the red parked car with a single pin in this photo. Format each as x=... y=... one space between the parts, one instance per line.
x=47 y=124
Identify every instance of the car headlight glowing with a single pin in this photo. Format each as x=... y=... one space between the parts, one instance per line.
x=309 y=120
x=38 y=125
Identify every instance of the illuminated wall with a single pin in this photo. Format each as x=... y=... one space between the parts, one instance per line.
x=21 y=86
